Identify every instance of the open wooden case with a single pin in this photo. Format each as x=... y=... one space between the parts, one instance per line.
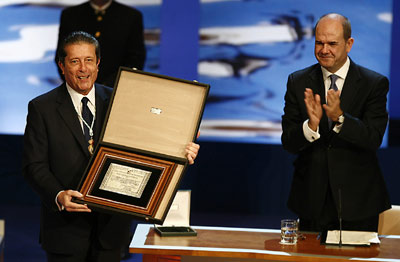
x=140 y=159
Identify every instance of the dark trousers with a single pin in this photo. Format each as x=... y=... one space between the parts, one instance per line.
x=329 y=220
x=90 y=251
x=92 y=254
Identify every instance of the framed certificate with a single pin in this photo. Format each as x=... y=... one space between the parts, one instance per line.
x=127 y=181
x=140 y=159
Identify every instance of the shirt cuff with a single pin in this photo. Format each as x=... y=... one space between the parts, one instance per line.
x=339 y=124
x=337 y=128
x=309 y=134
x=60 y=207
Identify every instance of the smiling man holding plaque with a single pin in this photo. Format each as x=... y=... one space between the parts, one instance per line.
x=63 y=127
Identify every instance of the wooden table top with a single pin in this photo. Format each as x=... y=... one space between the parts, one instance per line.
x=258 y=244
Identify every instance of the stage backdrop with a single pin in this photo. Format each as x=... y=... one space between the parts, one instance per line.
x=244 y=49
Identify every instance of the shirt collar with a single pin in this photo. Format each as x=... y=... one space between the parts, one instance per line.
x=342 y=72
x=98 y=8
x=77 y=97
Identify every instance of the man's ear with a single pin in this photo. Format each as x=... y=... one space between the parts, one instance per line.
x=61 y=67
x=349 y=44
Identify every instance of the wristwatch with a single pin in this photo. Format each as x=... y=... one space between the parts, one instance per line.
x=340 y=119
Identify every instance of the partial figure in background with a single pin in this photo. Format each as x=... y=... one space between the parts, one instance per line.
x=117 y=27
x=334 y=119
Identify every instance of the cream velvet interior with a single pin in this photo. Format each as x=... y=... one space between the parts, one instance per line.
x=154 y=114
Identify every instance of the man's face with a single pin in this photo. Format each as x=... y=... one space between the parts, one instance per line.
x=80 y=67
x=331 y=48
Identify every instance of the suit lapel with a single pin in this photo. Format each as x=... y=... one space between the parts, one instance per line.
x=69 y=115
x=350 y=87
x=102 y=101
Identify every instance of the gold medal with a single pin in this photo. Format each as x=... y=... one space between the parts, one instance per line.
x=90 y=147
x=90 y=129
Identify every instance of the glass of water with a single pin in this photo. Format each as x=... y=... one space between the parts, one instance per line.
x=289 y=228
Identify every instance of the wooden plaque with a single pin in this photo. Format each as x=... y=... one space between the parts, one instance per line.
x=140 y=158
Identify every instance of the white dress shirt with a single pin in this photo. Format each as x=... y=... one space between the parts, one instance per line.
x=309 y=134
x=77 y=101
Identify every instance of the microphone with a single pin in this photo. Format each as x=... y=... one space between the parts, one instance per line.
x=340 y=217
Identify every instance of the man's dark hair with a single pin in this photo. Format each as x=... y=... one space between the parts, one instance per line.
x=74 y=38
x=345 y=24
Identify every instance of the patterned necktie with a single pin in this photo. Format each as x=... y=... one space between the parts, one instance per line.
x=333 y=82
x=333 y=87
x=88 y=118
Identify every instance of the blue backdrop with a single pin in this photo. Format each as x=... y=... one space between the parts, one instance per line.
x=243 y=49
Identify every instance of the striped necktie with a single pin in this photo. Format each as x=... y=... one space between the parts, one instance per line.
x=88 y=118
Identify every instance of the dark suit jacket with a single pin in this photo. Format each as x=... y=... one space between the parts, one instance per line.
x=55 y=157
x=121 y=36
x=345 y=161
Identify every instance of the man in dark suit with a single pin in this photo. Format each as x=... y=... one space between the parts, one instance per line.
x=335 y=124
x=56 y=153
x=117 y=27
